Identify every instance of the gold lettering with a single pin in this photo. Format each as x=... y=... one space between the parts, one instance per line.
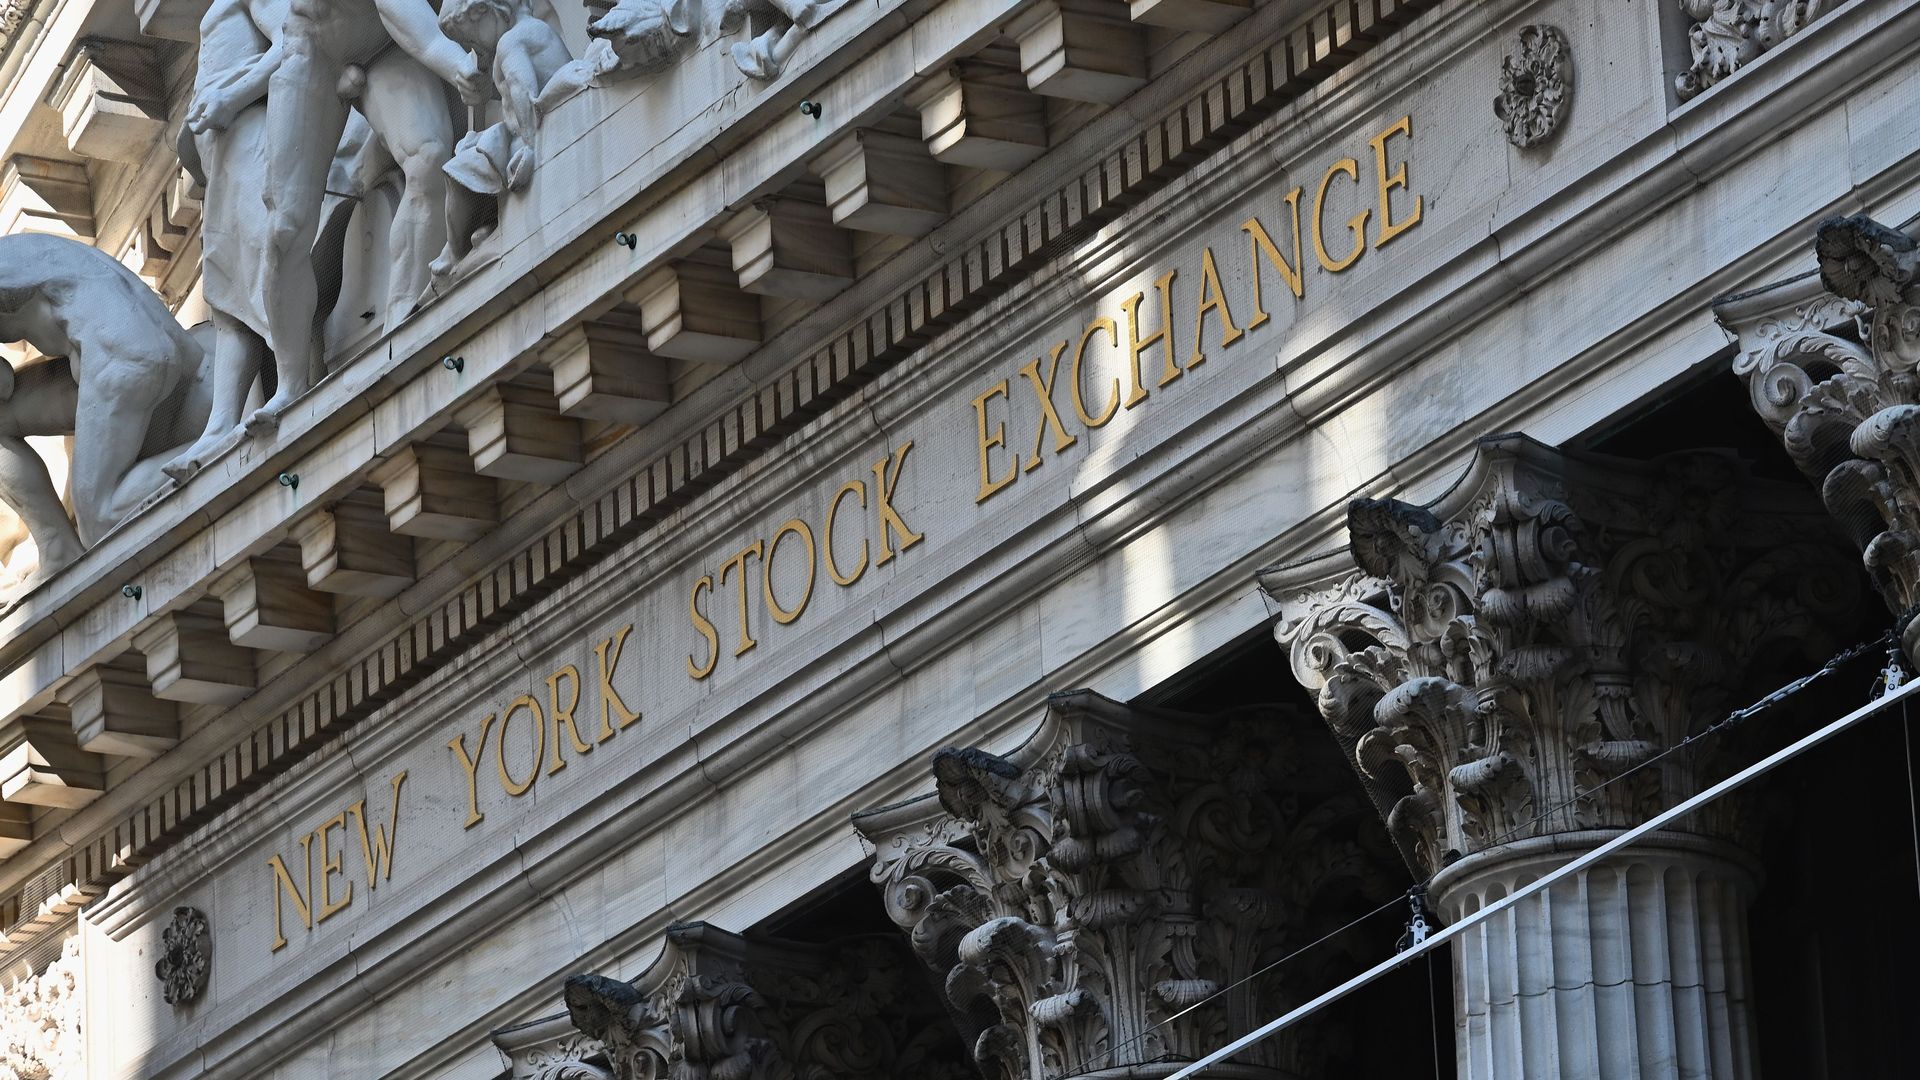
x=1163 y=337
x=988 y=485
x=739 y=561
x=1049 y=416
x=1262 y=244
x=1390 y=228
x=889 y=519
x=1079 y=355
x=283 y=884
x=795 y=527
x=1357 y=223
x=1212 y=298
x=331 y=864
x=377 y=849
x=471 y=763
x=532 y=707
x=561 y=716
x=606 y=657
x=833 y=508
x=705 y=628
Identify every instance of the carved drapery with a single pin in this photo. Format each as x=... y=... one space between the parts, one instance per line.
x=719 y=1006
x=1078 y=898
x=40 y=1022
x=1725 y=35
x=1834 y=376
x=1551 y=623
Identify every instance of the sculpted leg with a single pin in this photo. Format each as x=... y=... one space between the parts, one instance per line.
x=42 y=404
x=306 y=115
x=409 y=109
x=108 y=434
x=237 y=356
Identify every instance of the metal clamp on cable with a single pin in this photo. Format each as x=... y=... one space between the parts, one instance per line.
x=1417 y=924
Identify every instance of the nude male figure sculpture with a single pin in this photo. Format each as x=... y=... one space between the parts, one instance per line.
x=327 y=48
x=127 y=381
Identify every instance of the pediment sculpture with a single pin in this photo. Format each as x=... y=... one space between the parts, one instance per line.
x=119 y=373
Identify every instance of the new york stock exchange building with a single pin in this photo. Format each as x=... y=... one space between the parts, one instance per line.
x=959 y=539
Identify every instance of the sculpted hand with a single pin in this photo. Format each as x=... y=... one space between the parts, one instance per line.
x=212 y=111
x=474 y=88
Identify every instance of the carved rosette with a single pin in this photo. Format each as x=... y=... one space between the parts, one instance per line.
x=1085 y=900
x=1725 y=35
x=718 y=1006
x=1536 y=86
x=186 y=956
x=1551 y=623
x=1835 y=379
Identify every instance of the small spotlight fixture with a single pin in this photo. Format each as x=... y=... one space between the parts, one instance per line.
x=290 y=480
x=627 y=240
x=810 y=108
x=454 y=363
x=131 y=592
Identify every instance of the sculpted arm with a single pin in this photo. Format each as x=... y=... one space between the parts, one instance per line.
x=415 y=27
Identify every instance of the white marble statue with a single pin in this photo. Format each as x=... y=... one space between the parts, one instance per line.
x=226 y=144
x=630 y=38
x=125 y=379
x=764 y=56
x=518 y=44
x=390 y=58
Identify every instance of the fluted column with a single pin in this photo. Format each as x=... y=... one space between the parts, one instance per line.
x=1500 y=665
x=1633 y=967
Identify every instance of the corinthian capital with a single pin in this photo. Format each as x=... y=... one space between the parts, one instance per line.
x=718 y=1006
x=1488 y=660
x=1831 y=368
x=1097 y=899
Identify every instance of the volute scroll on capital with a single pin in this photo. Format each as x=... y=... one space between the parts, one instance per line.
x=1102 y=900
x=1835 y=377
x=721 y=1006
x=1497 y=663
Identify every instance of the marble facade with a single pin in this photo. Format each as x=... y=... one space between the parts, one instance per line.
x=586 y=522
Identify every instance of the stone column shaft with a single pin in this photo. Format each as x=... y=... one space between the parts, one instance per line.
x=1635 y=967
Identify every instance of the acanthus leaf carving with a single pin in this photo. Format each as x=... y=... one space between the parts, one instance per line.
x=1102 y=898
x=1726 y=35
x=719 y=1006
x=1492 y=660
x=1837 y=380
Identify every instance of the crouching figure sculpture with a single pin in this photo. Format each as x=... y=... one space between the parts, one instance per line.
x=122 y=376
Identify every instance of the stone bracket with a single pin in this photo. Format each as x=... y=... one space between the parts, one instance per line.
x=42 y=765
x=267 y=605
x=696 y=311
x=190 y=658
x=1081 y=50
x=432 y=491
x=1204 y=16
x=789 y=247
x=114 y=711
x=41 y=195
x=112 y=100
x=603 y=371
x=981 y=115
x=517 y=433
x=349 y=548
x=880 y=182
